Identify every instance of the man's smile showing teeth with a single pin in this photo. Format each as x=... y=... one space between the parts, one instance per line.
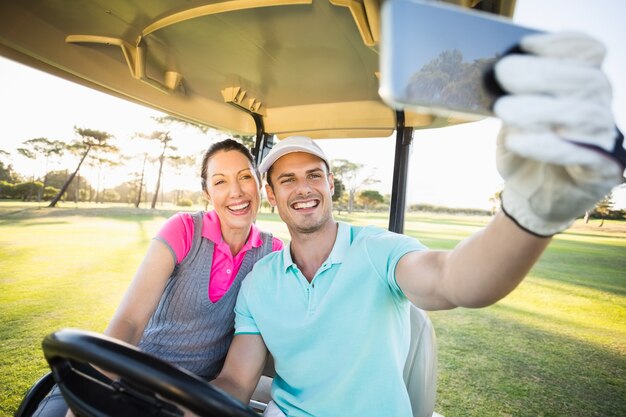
x=239 y=207
x=305 y=204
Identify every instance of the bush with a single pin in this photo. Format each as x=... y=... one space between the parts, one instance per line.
x=184 y=202
x=111 y=196
x=429 y=208
x=28 y=190
x=50 y=192
x=7 y=190
x=201 y=199
x=611 y=215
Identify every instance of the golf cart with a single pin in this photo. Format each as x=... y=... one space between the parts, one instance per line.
x=266 y=68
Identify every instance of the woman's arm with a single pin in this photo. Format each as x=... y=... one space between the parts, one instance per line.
x=143 y=294
x=141 y=297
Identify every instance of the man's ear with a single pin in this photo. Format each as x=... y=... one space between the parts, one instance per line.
x=331 y=181
x=270 y=195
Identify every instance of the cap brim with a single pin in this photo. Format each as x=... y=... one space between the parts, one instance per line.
x=273 y=157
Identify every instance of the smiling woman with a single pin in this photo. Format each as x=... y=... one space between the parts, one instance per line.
x=232 y=185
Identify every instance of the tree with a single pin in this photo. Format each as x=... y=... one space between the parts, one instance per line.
x=35 y=148
x=164 y=139
x=369 y=198
x=100 y=161
x=56 y=180
x=349 y=174
x=339 y=189
x=7 y=173
x=496 y=201
x=141 y=180
x=448 y=78
x=604 y=206
x=89 y=139
x=127 y=191
x=179 y=164
x=340 y=199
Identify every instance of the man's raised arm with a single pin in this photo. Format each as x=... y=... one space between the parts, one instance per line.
x=559 y=153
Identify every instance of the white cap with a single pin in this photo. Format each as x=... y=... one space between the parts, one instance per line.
x=290 y=145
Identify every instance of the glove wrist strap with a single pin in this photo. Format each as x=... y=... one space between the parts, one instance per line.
x=518 y=210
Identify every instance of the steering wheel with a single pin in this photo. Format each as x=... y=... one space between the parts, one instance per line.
x=148 y=386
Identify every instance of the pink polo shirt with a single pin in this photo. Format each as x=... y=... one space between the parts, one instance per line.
x=177 y=232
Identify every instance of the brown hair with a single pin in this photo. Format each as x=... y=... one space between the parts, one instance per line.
x=225 y=146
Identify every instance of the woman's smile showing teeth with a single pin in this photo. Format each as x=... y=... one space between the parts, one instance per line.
x=239 y=207
x=305 y=204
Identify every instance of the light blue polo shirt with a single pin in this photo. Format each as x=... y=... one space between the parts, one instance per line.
x=339 y=343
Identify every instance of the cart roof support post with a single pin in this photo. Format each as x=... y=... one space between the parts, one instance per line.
x=404 y=138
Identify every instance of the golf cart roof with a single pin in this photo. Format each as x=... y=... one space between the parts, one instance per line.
x=297 y=66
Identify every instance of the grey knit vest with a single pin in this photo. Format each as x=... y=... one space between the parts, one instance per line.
x=187 y=329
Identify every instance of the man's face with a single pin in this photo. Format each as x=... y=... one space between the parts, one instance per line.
x=302 y=191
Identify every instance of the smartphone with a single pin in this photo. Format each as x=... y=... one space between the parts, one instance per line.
x=438 y=58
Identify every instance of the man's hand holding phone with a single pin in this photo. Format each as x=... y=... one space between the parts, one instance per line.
x=559 y=150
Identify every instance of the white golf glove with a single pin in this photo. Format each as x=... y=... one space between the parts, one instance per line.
x=559 y=150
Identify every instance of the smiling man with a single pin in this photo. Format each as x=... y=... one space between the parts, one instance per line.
x=333 y=308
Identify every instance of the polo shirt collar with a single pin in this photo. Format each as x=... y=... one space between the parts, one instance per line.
x=337 y=254
x=212 y=230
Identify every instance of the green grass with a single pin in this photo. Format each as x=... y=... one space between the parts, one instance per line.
x=555 y=347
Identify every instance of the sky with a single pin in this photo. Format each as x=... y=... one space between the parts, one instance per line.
x=454 y=166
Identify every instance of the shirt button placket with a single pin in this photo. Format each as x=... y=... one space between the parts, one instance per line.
x=309 y=297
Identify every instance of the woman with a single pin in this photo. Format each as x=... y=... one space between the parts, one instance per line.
x=180 y=303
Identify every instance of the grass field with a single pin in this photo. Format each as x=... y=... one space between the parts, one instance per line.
x=554 y=347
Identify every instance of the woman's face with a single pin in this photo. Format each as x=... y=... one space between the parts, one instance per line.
x=233 y=189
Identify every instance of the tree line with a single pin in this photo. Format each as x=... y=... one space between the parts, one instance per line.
x=97 y=149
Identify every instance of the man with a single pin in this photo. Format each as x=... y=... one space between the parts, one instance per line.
x=333 y=308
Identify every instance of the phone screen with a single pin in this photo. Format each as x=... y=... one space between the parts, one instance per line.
x=435 y=58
